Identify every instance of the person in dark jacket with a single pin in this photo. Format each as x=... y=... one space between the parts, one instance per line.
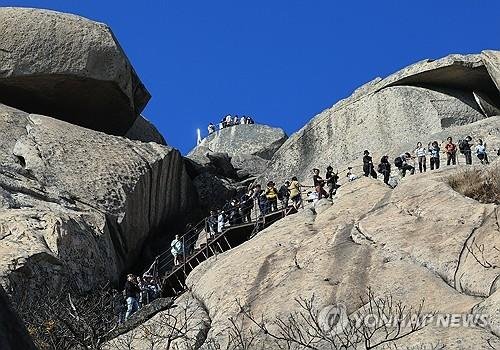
x=284 y=194
x=331 y=181
x=211 y=227
x=368 y=165
x=246 y=206
x=132 y=292
x=260 y=196
x=385 y=169
x=465 y=149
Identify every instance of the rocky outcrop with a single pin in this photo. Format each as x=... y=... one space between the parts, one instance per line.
x=421 y=241
x=253 y=139
x=423 y=99
x=143 y=130
x=69 y=68
x=80 y=203
x=13 y=335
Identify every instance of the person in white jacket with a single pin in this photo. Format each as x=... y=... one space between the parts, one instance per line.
x=421 y=154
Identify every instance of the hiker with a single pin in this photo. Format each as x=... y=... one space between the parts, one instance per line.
x=250 y=120
x=143 y=295
x=331 y=181
x=295 y=194
x=243 y=120
x=234 y=212
x=246 y=206
x=229 y=120
x=481 y=152
x=211 y=227
x=131 y=293
x=260 y=196
x=211 y=128
x=220 y=221
x=368 y=165
x=317 y=179
x=401 y=163
x=350 y=176
x=272 y=196
x=176 y=249
x=465 y=148
x=421 y=154
x=434 y=151
x=451 y=151
x=384 y=168
x=236 y=120
x=284 y=194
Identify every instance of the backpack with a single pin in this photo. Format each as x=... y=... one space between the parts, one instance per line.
x=398 y=162
x=462 y=146
x=380 y=168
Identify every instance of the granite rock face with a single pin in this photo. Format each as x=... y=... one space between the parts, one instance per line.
x=69 y=68
x=423 y=99
x=404 y=243
x=253 y=139
x=76 y=202
x=143 y=130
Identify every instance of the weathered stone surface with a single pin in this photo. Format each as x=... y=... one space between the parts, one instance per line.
x=67 y=67
x=254 y=139
x=81 y=203
x=491 y=60
x=409 y=243
x=13 y=335
x=423 y=99
x=143 y=130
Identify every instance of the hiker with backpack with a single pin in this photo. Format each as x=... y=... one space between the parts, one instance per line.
x=260 y=195
x=177 y=249
x=284 y=194
x=465 y=148
x=481 y=152
x=384 y=168
x=421 y=154
x=331 y=181
x=272 y=196
x=295 y=194
x=434 y=151
x=368 y=165
x=131 y=293
x=451 y=151
x=401 y=163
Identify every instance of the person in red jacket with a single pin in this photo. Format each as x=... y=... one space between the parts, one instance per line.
x=451 y=151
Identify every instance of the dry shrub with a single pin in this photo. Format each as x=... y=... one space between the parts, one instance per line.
x=482 y=185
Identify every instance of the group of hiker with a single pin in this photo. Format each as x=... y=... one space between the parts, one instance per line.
x=137 y=293
x=230 y=120
x=420 y=154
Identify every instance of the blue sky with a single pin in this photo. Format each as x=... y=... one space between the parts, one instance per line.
x=281 y=61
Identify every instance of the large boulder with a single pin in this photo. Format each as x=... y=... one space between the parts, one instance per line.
x=80 y=203
x=421 y=241
x=67 y=67
x=253 y=139
x=423 y=99
x=143 y=130
x=13 y=335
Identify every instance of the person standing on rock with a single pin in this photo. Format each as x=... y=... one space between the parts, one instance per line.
x=272 y=196
x=229 y=120
x=317 y=179
x=243 y=120
x=220 y=221
x=176 y=249
x=211 y=128
x=434 y=151
x=236 y=120
x=465 y=149
x=246 y=206
x=295 y=194
x=368 y=165
x=421 y=154
x=384 y=168
x=260 y=196
x=405 y=158
x=481 y=152
x=331 y=181
x=451 y=151
x=132 y=292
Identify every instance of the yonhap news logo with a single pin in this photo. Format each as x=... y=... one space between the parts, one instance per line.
x=334 y=319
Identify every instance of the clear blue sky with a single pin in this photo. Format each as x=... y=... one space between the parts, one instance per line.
x=280 y=61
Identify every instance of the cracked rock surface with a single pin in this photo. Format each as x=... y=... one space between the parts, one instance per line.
x=76 y=202
x=408 y=242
